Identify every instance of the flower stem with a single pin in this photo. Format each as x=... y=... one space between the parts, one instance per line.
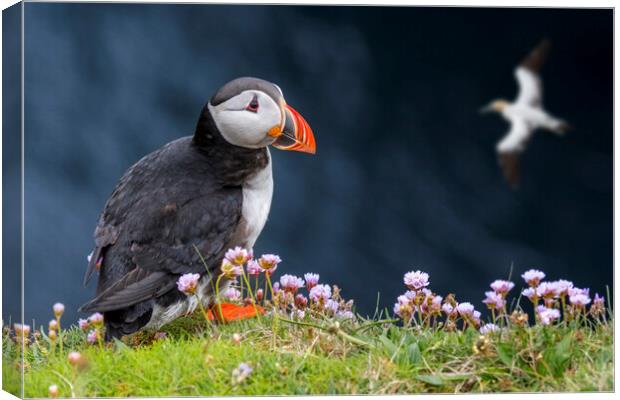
x=419 y=315
x=274 y=325
x=338 y=332
x=202 y=309
x=563 y=300
x=59 y=333
x=269 y=284
x=255 y=283
x=67 y=382
x=353 y=339
x=247 y=283
x=370 y=324
x=100 y=340
x=301 y=323
x=217 y=296
x=205 y=265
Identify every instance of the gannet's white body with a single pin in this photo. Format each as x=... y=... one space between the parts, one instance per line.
x=525 y=114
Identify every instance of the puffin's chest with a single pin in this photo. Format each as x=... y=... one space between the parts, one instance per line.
x=257 y=194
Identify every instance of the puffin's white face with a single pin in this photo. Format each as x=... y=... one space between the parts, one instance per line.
x=251 y=119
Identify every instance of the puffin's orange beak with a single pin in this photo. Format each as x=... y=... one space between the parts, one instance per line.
x=296 y=134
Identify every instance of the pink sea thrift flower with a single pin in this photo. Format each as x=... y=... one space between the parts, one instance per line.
x=26 y=330
x=575 y=290
x=416 y=280
x=96 y=319
x=92 y=337
x=238 y=256
x=241 y=373
x=476 y=317
x=83 y=324
x=427 y=306
x=301 y=301
x=599 y=301
x=290 y=283
x=562 y=287
x=579 y=299
x=53 y=325
x=403 y=310
x=530 y=293
x=276 y=287
x=489 y=328
x=259 y=295
x=188 y=283
x=236 y=338
x=269 y=262
x=449 y=310
x=345 y=314
x=410 y=294
x=231 y=294
x=465 y=309
x=331 y=306
x=311 y=280
x=547 y=315
x=59 y=309
x=320 y=294
x=229 y=269
x=74 y=358
x=494 y=300
x=502 y=287
x=547 y=290
x=21 y=330
x=53 y=391
x=598 y=305
x=533 y=277
x=253 y=268
x=435 y=305
x=404 y=299
x=245 y=368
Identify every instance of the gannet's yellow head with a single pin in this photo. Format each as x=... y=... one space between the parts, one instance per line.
x=495 y=106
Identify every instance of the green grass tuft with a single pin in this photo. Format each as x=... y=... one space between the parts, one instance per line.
x=198 y=359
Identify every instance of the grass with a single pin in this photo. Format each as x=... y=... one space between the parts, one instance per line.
x=568 y=347
x=198 y=359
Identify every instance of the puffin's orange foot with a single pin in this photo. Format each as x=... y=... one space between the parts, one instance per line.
x=233 y=312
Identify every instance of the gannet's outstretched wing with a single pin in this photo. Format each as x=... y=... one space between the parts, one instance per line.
x=528 y=75
x=509 y=150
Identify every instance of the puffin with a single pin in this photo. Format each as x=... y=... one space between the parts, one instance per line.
x=181 y=207
x=525 y=115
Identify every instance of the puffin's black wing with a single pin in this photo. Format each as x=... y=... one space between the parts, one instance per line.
x=165 y=207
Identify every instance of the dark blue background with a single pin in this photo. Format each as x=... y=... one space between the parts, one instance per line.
x=405 y=176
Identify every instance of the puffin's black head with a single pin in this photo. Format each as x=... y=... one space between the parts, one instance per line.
x=252 y=113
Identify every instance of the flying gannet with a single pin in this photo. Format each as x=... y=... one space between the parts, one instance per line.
x=525 y=114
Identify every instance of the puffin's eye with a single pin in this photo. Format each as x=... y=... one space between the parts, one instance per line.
x=253 y=106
